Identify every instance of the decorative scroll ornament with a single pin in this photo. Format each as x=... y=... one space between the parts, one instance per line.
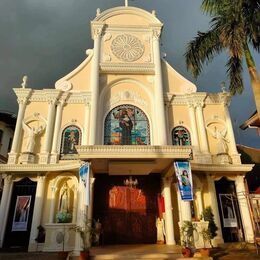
x=127 y=47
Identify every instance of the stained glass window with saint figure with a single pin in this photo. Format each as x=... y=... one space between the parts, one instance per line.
x=180 y=136
x=71 y=136
x=126 y=125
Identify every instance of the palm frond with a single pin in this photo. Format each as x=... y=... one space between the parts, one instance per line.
x=202 y=49
x=211 y=6
x=234 y=71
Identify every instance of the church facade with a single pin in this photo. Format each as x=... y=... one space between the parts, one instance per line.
x=128 y=113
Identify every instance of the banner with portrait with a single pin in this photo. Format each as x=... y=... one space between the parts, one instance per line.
x=21 y=213
x=184 y=177
x=85 y=182
x=228 y=210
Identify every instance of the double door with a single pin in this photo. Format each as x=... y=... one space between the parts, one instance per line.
x=127 y=208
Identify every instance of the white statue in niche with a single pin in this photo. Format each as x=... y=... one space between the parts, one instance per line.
x=32 y=132
x=64 y=198
x=220 y=136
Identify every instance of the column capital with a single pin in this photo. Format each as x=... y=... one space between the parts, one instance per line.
x=97 y=29
x=156 y=31
x=225 y=98
x=167 y=180
x=7 y=178
x=23 y=95
x=41 y=178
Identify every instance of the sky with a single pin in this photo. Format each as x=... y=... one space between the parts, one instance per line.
x=47 y=39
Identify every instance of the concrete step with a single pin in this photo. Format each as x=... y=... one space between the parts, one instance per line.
x=135 y=256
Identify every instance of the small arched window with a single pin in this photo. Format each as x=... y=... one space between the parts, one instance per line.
x=71 y=136
x=180 y=136
x=126 y=125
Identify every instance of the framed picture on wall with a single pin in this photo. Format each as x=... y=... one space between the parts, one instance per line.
x=21 y=213
x=228 y=210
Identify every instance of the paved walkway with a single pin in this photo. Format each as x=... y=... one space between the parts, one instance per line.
x=159 y=252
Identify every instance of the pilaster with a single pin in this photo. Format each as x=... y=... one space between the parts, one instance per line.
x=244 y=209
x=97 y=29
x=214 y=206
x=37 y=213
x=167 y=181
x=6 y=197
x=158 y=86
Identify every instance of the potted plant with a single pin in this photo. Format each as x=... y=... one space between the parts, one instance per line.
x=205 y=233
x=87 y=232
x=207 y=215
x=187 y=230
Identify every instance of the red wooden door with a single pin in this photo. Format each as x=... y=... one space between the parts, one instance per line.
x=128 y=214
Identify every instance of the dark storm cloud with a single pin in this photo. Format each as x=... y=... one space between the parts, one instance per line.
x=47 y=39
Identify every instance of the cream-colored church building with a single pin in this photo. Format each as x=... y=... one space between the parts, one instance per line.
x=128 y=113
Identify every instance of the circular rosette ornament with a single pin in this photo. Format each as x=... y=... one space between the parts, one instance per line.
x=127 y=48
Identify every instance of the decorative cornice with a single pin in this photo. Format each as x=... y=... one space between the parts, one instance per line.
x=54 y=95
x=196 y=99
x=235 y=168
x=73 y=165
x=126 y=67
x=79 y=98
x=134 y=29
x=133 y=151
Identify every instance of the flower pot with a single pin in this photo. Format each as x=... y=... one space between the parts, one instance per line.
x=204 y=252
x=186 y=252
x=84 y=255
x=62 y=255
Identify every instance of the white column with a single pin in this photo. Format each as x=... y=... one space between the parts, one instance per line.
x=85 y=138
x=75 y=198
x=194 y=134
x=53 y=201
x=90 y=208
x=94 y=84
x=244 y=209
x=57 y=128
x=18 y=126
x=49 y=129
x=179 y=202
x=37 y=212
x=7 y=190
x=168 y=211
x=185 y=210
x=158 y=88
x=79 y=220
x=199 y=200
x=214 y=206
x=202 y=130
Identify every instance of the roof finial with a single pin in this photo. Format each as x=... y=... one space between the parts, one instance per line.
x=126 y=2
x=223 y=86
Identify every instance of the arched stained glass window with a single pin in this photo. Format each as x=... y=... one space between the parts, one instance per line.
x=180 y=136
x=71 y=136
x=126 y=125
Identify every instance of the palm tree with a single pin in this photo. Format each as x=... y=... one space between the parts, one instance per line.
x=235 y=25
